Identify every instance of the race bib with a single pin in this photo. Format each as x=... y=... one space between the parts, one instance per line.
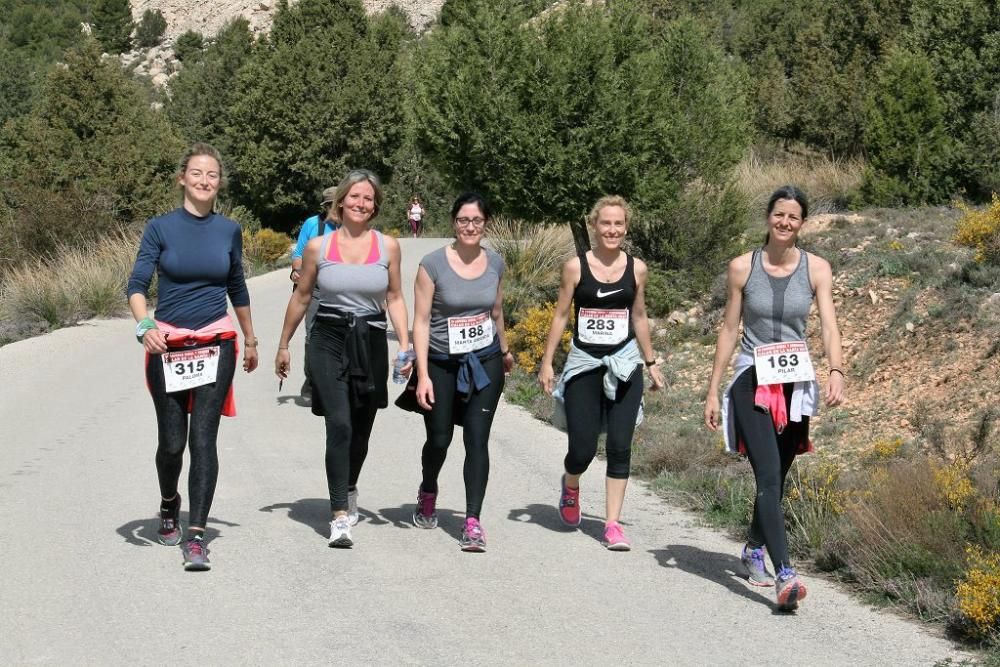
x=778 y=363
x=187 y=369
x=468 y=334
x=602 y=327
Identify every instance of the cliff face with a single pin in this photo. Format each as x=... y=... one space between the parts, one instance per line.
x=207 y=17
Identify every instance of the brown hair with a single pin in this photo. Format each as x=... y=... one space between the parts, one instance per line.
x=353 y=178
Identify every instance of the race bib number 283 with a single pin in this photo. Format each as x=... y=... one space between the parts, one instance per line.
x=603 y=327
x=187 y=369
x=778 y=363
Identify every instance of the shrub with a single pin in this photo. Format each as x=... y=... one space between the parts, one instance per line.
x=980 y=230
x=188 y=47
x=533 y=257
x=978 y=592
x=152 y=26
x=113 y=25
x=528 y=336
x=816 y=499
x=265 y=246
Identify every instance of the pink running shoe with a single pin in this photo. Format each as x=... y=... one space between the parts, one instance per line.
x=473 y=537
x=569 y=504
x=425 y=514
x=614 y=538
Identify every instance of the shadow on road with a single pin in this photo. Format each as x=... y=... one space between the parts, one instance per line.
x=547 y=516
x=315 y=513
x=449 y=521
x=718 y=568
x=294 y=398
x=142 y=532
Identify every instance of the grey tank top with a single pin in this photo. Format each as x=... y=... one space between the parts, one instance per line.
x=354 y=288
x=775 y=309
x=455 y=296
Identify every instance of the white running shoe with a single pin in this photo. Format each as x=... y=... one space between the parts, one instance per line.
x=352 y=507
x=340 y=533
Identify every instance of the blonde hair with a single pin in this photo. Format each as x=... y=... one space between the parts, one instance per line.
x=354 y=177
x=606 y=201
x=197 y=149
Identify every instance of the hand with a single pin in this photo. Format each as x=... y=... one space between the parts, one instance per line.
x=713 y=414
x=154 y=342
x=295 y=275
x=425 y=393
x=407 y=368
x=834 y=394
x=546 y=377
x=282 y=364
x=508 y=363
x=656 y=375
x=249 y=358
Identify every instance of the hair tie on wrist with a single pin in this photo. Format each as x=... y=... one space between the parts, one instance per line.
x=837 y=370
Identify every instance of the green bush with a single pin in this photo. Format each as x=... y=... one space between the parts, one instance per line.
x=113 y=25
x=152 y=26
x=188 y=47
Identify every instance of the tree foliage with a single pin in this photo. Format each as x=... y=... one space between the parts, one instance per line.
x=113 y=25
x=149 y=32
x=189 y=45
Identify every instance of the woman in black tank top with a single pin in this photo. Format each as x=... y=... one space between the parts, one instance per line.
x=606 y=289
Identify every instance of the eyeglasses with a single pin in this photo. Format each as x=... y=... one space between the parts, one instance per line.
x=466 y=222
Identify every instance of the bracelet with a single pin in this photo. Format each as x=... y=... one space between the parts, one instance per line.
x=282 y=348
x=504 y=352
x=650 y=364
x=837 y=370
x=247 y=343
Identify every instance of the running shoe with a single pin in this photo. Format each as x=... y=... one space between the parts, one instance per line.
x=195 y=555
x=340 y=533
x=789 y=589
x=569 y=504
x=473 y=537
x=753 y=561
x=425 y=515
x=170 y=525
x=352 y=507
x=614 y=538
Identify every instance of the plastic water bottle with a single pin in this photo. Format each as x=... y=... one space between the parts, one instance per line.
x=402 y=357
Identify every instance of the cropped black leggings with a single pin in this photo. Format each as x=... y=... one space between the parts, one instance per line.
x=771 y=456
x=476 y=424
x=348 y=427
x=199 y=430
x=587 y=408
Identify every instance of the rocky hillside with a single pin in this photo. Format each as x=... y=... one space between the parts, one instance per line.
x=208 y=17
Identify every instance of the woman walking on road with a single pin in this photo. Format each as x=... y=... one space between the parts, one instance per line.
x=766 y=409
x=191 y=346
x=415 y=216
x=356 y=270
x=462 y=356
x=602 y=382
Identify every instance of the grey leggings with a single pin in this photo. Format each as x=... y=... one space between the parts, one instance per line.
x=199 y=431
x=771 y=456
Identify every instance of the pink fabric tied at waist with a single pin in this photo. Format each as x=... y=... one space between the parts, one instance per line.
x=771 y=399
x=179 y=337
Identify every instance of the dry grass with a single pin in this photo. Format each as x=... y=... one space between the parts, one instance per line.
x=830 y=184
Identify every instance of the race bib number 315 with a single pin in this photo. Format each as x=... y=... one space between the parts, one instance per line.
x=778 y=363
x=468 y=334
x=187 y=369
x=603 y=327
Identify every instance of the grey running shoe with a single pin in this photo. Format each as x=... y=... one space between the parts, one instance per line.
x=753 y=561
x=789 y=590
x=195 y=555
x=425 y=515
x=473 y=537
x=170 y=526
x=340 y=533
x=352 y=507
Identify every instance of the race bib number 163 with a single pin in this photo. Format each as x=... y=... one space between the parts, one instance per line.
x=778 y=363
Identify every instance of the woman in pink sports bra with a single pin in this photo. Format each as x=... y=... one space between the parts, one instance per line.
x=356 y=271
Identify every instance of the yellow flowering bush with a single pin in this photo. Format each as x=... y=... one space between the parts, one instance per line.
x=953 y=483
x=885 y=449
x=527 y=337
x=895 y=245
x=978 y=592
x=980 y=230
x=265 y=246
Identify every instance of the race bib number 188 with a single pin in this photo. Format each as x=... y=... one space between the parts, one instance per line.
x=187 y=369
x=778 y=363
x=467 y=334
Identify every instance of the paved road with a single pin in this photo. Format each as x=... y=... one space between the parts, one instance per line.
x=84 y=582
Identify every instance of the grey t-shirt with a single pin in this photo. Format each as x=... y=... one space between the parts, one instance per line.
x=458 y=297
x=775 y=310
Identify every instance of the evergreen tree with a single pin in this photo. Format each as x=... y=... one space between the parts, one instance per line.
x=149 y=32
x=113 y=25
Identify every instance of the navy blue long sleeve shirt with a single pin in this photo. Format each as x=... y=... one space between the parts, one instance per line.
x=199 y=261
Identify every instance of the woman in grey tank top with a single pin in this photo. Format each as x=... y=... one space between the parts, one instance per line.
x=357 y=274
x=771 y=290
x=462 y=356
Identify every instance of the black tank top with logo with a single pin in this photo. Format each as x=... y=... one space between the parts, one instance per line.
x=603 y=323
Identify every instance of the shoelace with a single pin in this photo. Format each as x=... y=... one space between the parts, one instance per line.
x=196 y=548
x=568 y=500
x=426 y=502
x=786 y=573
x=168 y=525
x=757 y=558
x=473 y=529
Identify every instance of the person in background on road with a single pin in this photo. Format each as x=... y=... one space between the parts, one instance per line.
x=191 y=347
x=462 y=356
x=310 y=230
x=356 y=271
x=602 y=381
x=771 y=290
x=415 y=216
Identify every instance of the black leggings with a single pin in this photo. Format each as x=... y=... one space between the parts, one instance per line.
x=587 y=408
x=476 y=423
x=348 y=427
x=771 y=457
x=175 y=431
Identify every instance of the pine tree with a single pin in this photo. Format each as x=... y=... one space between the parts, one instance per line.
x=113 y=25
